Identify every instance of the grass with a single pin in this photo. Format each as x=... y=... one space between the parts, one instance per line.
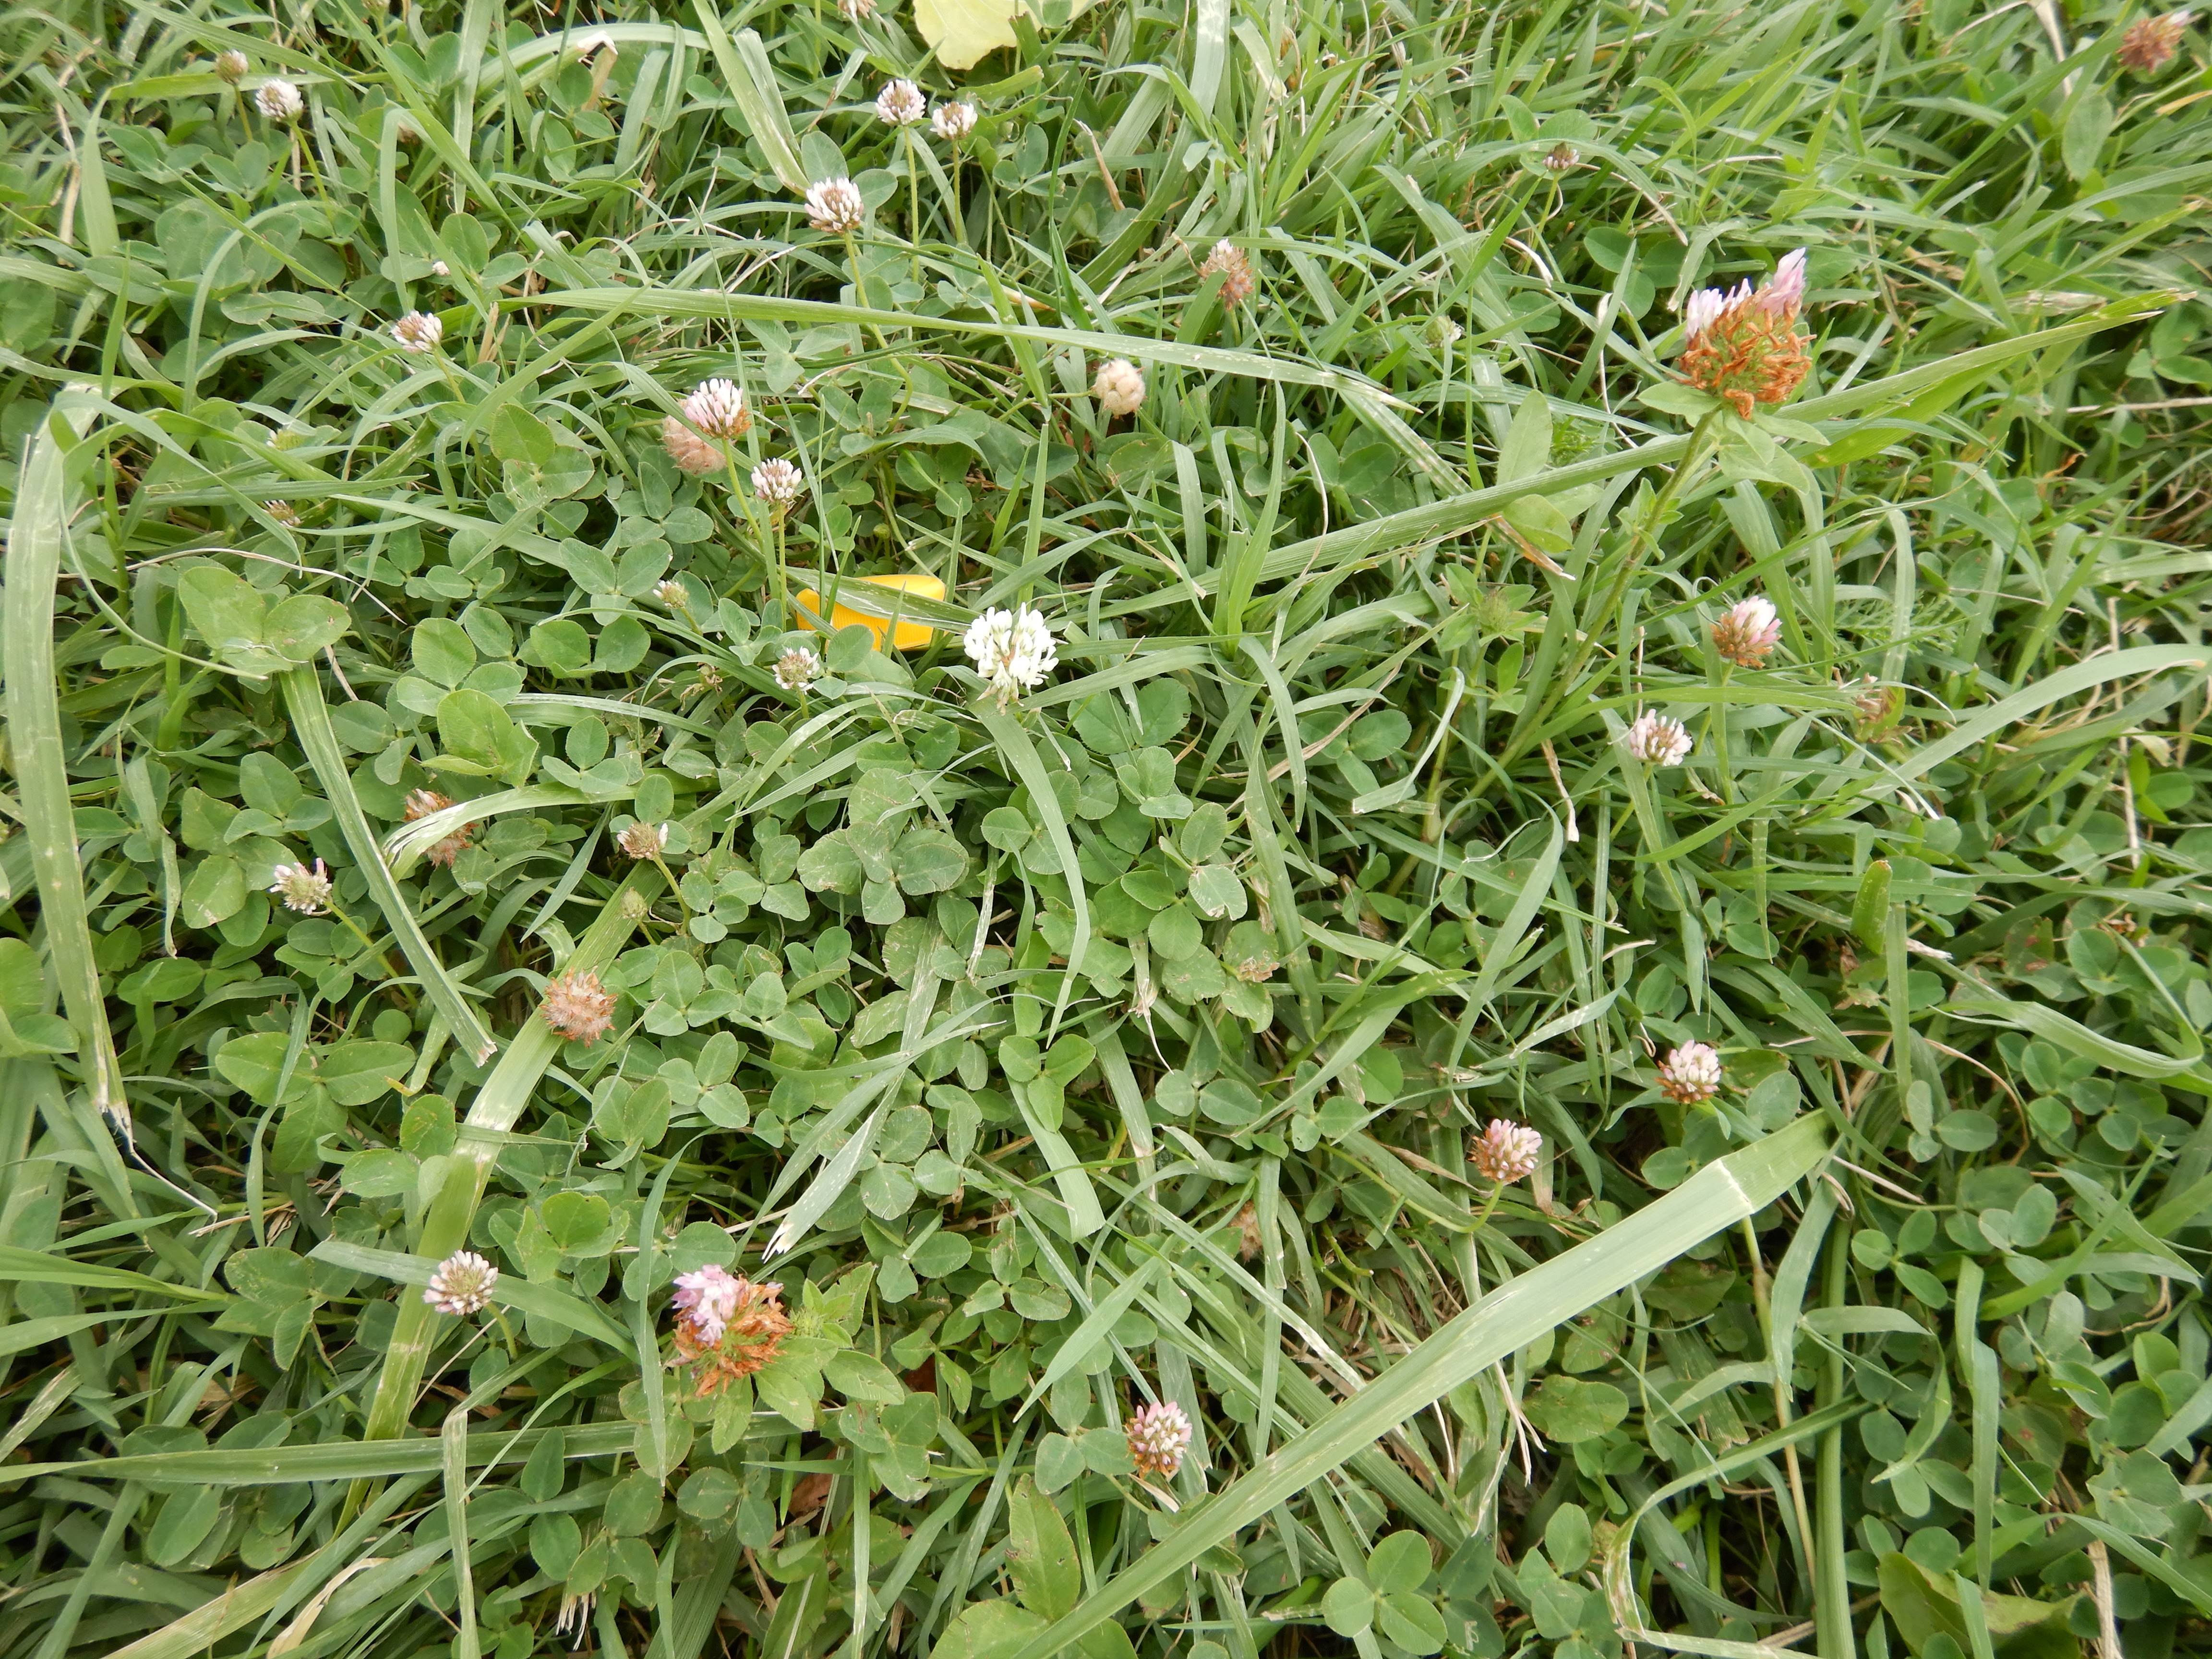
x=1129 y=1036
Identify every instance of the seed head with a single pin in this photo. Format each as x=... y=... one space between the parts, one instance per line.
x=900 y=104
x=728 y=1325
x=1747 y=632
x=279 y=100
x=1743 y=346
x=230 y=67
x=954 y=121
x=462 y=1284
x=1120 y=387
x=421 y=803
x=418 y=332
x=1159 y=1434
x=778 y=483
x=1691 y=1073
x=690 y=451
x=1235 y=271
x=1658 y=740
x=1506 y=1152
x=283 y=511
x=718 y=409
x=308 y=891
x=644 y=841
x=797 y=669
x=833 y=207
x=578 y=1007
x=2149 y=44
x=1013 y=650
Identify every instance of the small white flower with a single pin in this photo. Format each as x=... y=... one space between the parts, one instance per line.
x=1658 y=740
x=644 y=841
x=835 y=207
x=1691 y=1073
x=284 y=513
x=1747 y=632
x=418 y=332
x=1119 y=388
x=797 y=669
x=1159 y=1436
x=304 y=890
x=230 y=67
x=778 y=483
x=1013 y=650
x=279 y=100
x=954 y=121
x=669 y=593
x=462 y=1284
x=718 y=409
x=900 y=104
x=438 y=268
x=1705 y=308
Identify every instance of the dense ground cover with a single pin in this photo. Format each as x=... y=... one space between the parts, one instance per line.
x=1415 y=705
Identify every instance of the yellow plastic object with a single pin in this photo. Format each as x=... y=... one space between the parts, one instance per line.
x=905 y=636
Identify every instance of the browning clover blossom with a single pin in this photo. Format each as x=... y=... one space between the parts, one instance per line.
x=1747 y=632
x=835 y=207
x=1743 y=346
x=728 y=1325
x=279 y=100
x=690 y=451
x=1159 y=1436
x=644 y=841
x=461 y=1284
x=308 y=891
x=2150 y=43
x=418 y=332
x=1235 y=271
x=778 y=483
x=1692 y=1073
x=954 y=121
x=230 y=67
x=717 y=407
x=798 y=668
x=1506 y=1152
x=857 y=11
x=1120 y=387
x=578 y=1007
x=900 y=104
x=421 y=803
x=1658 y=740
x=1012 y=650
x=283 y=511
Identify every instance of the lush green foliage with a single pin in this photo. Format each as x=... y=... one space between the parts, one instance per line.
x=1124 y=1039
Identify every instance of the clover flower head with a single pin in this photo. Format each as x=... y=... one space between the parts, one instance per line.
x=280 y=101
x=230 y=67
x=954 y=121
x=1658 y=740
x=1119 y=388
x=644 y=841
x=1013 y=650
x=461 y=1284
x=1692 y=1073
x=835 y=207
x=1159 y=1436
x=1506 y=1152
x=1742 y=345
x=418 y=332
x=1235 y=271
x=304 y=890
x=728 y=1325
x=2150 y=43
x=578 y=1007
x=421 y=803
x=692 y=453
x=709 y=1300
x=778 y=483
x=283 y=511
x=857 y=11
x=717 y=407
x=900 y=104
x=1747 y=632
x=797 y=669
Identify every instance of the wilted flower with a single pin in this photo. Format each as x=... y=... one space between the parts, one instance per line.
x=1561 y=157
x=1159 y=1434
x=1235 y=268
x=283 y=511
x=1743 y=346
x=797 y=669
x=1440 y=331
x=857 y=11
x=1747 y=632
x=2150 y=42
x=900 y=104
x=644 y=841
x=1255 y=970
x=778 y=483
x=1120 y=387
x=462 y=1284
x=1876 y=705
x=1506 y=1152
x=578 y=1007
x=1248 y=1231
x=230 y=67
x=421 y=803
x=1658 y=740
x=1691 y=1073
x=954 y=121
x=279 y=100
x=1011 y=649
x=418 y=332
x=731 y=1325
x=718 y=409
x=690 y=451
x=308 y=891
x=710 y=679
x=835 y=207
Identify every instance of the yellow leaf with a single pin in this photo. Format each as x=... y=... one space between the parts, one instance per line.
x=963 y=32
x=905 y=636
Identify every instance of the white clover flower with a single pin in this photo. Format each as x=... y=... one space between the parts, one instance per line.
x=954 y=121
x=284 y=513
x=1658 y=740
x=308 y=891
x=1119 y=388
x=644 y=841
x=230 y=67
x=669 y=593
x=718 y=409
x=1013 y=650
x=835 y=207
x=1691 y=1073
x=1747 y=632
x=709 y=1300
x=797 y=669
x=1506 y=1152
x=418 y=332
x=900 y=104
x=462 y=1284
x=690 y=451
x=279 y=100
x=439 y=268
x=1159 y=1436
x=778 y=483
